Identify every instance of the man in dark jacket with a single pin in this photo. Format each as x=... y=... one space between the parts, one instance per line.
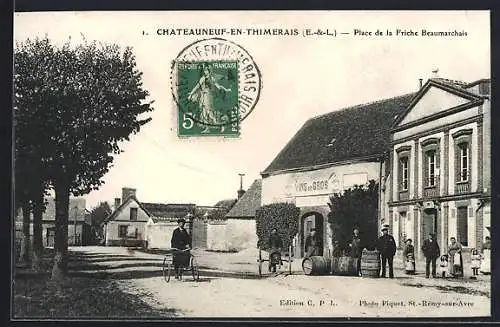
x=313 y=244
x=356 y=249
x=180 y=241
x=431 y=251
x=275 y=246
x=387 y=248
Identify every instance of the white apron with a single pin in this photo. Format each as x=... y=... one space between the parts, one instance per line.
x=485 y=267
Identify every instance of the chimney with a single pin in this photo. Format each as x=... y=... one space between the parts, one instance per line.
x=420 y=81
x=117 y=202
x=241 y=191
x=127 y=192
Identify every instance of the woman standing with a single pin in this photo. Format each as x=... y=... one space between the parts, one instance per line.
x=456 y=263
x=409 y=257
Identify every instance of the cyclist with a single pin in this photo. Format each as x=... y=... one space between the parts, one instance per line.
x=275 y=245
x=181 y=243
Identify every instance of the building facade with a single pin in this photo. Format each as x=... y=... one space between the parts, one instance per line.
x=328 y=155
x=134 y=223
x=440 y=180
x=78 y=222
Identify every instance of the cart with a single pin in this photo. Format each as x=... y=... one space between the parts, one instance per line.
x=276 y=262
x=168 y=266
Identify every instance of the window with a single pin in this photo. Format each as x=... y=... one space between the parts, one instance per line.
x=122 y=231
x=431 y=168
x=133 y=214
x=404 y=173
x=463 y=149
x=463 y=141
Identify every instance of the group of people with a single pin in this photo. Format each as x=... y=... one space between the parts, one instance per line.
x=451 y=263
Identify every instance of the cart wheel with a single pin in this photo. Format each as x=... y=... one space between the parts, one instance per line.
x=194 y=269
x=167 y=269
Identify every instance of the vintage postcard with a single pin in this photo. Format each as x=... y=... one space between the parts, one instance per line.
x=260 y=164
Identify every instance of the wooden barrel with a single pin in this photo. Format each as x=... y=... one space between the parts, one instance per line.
x=370 y=264
x=344 y=266
x=315 y=265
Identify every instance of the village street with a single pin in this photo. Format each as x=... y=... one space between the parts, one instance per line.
x=229 y=287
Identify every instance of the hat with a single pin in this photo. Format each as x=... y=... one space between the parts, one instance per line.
x=409 y=239
x=385 y=228
x=181 y=220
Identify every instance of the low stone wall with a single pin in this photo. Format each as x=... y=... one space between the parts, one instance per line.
x=216 y=235
x=159 y=236
x=127 y=242
x=241 y=234
x=231 y=234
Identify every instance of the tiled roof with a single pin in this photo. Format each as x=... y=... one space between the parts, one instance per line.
x=227 y=203
x=356 y=132
x=451 y=82
x=157 y=211
x=248 y=203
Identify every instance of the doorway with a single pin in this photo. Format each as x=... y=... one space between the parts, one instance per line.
x=308 y=222
x=429 y=223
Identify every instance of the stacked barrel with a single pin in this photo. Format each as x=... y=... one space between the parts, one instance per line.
x=343 y=265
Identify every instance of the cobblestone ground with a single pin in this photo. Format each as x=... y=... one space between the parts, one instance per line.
x=229 y=287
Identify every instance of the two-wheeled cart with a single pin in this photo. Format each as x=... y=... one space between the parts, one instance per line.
x=276 y=261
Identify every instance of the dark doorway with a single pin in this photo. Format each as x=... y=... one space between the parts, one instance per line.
x=309 y=221
x=463 y=231
x=429 y=223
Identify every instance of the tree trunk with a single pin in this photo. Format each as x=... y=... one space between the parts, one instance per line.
x=60 y=268
x=25 y=244
x=37 y=231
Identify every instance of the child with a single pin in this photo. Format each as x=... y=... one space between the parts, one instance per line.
x=475 y=262
x=443 y=265
x=409 y=257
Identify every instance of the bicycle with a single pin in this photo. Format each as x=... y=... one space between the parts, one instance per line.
x=168 y=266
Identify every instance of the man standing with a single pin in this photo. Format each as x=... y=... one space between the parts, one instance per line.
x=313 y=244
x=275 y=246
x=387 y=247
x=431 y=251
x=356 y=249
x=181 y=243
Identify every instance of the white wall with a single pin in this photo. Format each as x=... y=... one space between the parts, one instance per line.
x=434 y=100
x=159 y=236
x=216 y=236
x=124 y=213
x=112 y=230
x=241 y=234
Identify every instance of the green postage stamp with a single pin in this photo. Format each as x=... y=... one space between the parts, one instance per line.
x=215 y=85
x=208 y=98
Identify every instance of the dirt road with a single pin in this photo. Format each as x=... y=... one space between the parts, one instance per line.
x=229 y=288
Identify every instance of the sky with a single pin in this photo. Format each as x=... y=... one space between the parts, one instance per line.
x=302 y=77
